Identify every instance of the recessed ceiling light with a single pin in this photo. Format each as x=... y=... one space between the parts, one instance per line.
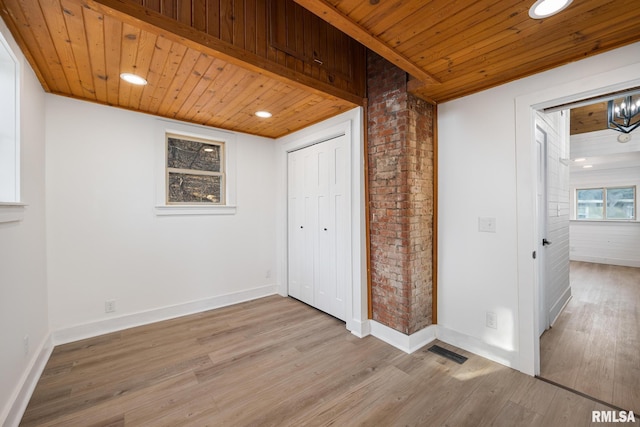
x=581 y=159
x=587 y=166
x=208 y=150
x=544 y=8
x=133 y=79
x=263 y=114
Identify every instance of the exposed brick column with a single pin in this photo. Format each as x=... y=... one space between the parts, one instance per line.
x=400 y=143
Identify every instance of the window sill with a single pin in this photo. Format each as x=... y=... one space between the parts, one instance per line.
x=11 y=212
x=194 y=210
x=604 y=221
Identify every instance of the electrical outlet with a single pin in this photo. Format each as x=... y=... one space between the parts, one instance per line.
x=487 y=225
x=25 y=344
x=492 y=320
x=110 y=306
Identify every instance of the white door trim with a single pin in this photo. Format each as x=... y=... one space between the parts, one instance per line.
x=525 y=107
x=349 y=124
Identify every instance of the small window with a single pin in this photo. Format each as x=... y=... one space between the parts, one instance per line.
x=613 y=203
x=195 y=171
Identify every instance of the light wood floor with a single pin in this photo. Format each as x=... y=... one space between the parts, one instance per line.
x=594 y=346
x=278 y=362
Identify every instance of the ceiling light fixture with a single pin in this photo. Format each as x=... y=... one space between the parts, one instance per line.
x=133 y=79
x=581 y=159
x=624 y=113
x=544 y=8
x=587 y=166
x=263 y=114
x=208 y=150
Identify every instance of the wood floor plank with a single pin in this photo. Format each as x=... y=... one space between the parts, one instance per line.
x=278 y=362
x=594 y=346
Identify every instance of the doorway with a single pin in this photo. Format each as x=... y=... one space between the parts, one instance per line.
x=592 y=345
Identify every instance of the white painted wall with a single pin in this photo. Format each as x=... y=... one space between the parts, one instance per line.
x=105 y=242
x=23 y=284
x=606 y=242
x=487 y=169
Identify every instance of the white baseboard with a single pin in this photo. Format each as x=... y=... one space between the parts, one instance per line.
x=358 y=328
x=477 y=346
x=18 y=404
x=559 y=305
x=608 y=261
x=406 y=343
x=94 y=329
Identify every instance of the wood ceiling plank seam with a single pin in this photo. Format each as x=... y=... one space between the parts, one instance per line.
x=279 y=107
x=226 y=21
x=239 y=24
x=184 y=11
x=168 y=8
x=238 y=98
x=193 y=79
x=284 y=125
x=200 y=15
x=332 y=16
x=53 y=16
x=261 y=29
x=178 y=32
x=128 y=55
x=299 y=36
x=112 y=37
x=176 y=53
x=308 y=34
x=182 y=74
x=213 y=18
x=213 y=105
x=523 y=44
x=528 y=32
x=94 y=29
x=74 y=19
x=250 y=101
x=381 y=24
x=347 y=6
x=250 y=25
x=323 y=51
x=24 y=36
x=158 y=60
x=219 y=76
x=152 y=4
x=202 y=91
x=34 y=16
x=285 y=107
x=146 y=49
x=468 y=21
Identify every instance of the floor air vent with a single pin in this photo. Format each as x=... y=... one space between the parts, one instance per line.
x=458 y=358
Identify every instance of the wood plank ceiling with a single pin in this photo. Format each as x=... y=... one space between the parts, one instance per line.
x=79 y=48
x=451 y=48
x=462 y=47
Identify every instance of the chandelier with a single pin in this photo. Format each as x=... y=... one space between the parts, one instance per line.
x=624 y=114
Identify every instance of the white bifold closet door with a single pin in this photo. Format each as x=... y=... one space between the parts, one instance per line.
x=318 y=229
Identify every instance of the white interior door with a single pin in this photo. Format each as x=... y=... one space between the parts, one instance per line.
x=319 y=204
x=543 y=311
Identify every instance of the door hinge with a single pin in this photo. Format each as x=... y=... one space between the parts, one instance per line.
x=534 y=254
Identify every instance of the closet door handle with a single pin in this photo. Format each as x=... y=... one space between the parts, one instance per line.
x=325 y=229
x=301 y=226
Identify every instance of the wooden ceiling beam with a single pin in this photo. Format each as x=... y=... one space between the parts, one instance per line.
x=156 y=23
x=333 y=16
